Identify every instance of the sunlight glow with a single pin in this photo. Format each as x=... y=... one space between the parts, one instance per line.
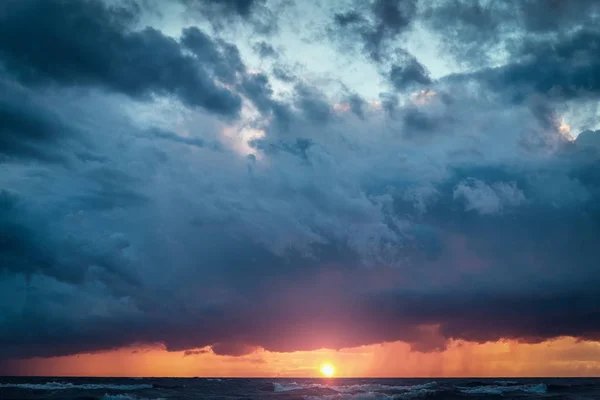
x=565 y=130
x=423 y=97
x=327 y=370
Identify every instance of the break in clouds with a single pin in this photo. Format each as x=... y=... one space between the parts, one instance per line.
x=193 y=174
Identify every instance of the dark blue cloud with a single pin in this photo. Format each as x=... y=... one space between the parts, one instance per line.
x=563 y=68
x=410 y=73
x=466 y=213
x=88 y=43
x=29 y=130
x=376 y=24
x=223 y=13
x=242 y=8
x=499 y=26
x=312 y=103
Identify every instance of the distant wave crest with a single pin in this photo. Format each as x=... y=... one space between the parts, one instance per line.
x=125 y=397
x=314 y=391
x=539 y=388
x=72 y=386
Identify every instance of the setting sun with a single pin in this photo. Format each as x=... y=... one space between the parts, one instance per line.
x=328 y=370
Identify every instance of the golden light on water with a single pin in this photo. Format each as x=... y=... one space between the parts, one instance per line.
x=327 y=370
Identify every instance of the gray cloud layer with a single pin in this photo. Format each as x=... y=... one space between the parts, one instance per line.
x=130 y=214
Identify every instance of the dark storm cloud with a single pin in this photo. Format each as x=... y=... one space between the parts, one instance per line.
x=417 y=121
x=469 y=30
x=172 y=137
x=548 y=16
x=448 y=214
x=220 y=58
x=257 y=88
x=29 y=245
x=589 y=139
x=564 y=68
x=375 y=23
x=357 y=105
x=473 y=30
x=221 y=13
x=409 y=73
x=299 y=148
x=243 y=8
x=312 y=103
x=28 y=129
x=88 y=43
x=467 y=284
x=389 y=102
x=111 y=188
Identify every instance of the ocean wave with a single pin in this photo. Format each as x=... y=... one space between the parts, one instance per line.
x=539 y=388
x=356 y=392
x=71 y=386
x=506 y=383
x=420 y=393
x=118 y=397
x=126 y=397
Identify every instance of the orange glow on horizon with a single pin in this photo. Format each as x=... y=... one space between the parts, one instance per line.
x=506 y=358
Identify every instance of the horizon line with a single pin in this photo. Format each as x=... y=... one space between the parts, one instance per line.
x=302 y=377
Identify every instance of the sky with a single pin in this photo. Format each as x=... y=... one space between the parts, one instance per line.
x=258 y=187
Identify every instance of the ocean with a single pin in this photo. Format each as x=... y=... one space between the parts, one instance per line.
x=13 y=388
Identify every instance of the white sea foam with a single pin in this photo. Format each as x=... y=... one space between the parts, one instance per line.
x=71 y=386
x=361 y=392
x=372 y=388
x=118 y=397
x=505 y=383
x=383 y=388
x=125 y=397
x=420 y=393
x=502 y=389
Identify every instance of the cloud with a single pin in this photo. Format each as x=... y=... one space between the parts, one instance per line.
x=188 y=353
x=29 y=130
x=222 y=13
x=282 y=74
x=312 y=103
x=242 y=8
x=357 y=105
x=459 y=212
x=456 y=22
x=222 y=59
x=487 y=199
x=94 y=46
x=418 y=122
x=408 y=72
x=588 y=139
x=232 y=349
x=265 y=50
x=321 y=239
x=375 y=24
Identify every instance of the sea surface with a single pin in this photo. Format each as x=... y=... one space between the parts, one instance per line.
x=290 y=389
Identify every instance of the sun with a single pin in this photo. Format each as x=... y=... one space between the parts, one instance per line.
x=327 y=370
